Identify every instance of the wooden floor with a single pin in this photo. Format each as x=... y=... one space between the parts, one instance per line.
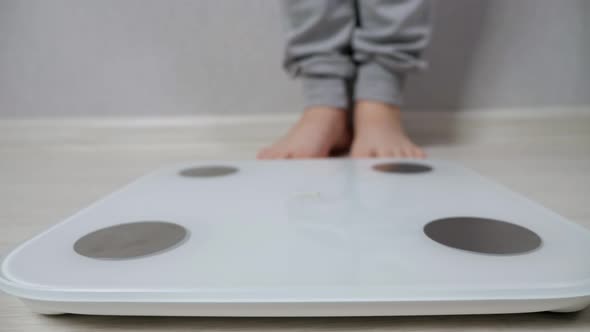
x=51 y=168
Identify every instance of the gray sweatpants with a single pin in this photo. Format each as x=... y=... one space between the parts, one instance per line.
x=345 y=50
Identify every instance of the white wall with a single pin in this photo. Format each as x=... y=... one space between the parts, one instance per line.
x=223 y=56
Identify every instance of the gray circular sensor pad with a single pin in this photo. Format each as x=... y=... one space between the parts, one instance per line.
x=208 y=171
x=131 y=240
x=402 y=167
x=481 y=235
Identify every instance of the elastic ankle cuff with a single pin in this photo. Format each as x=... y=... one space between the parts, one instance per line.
x=326 y=91
x=375 y=83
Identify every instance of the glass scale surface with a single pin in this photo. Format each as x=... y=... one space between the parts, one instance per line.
x=332 y=237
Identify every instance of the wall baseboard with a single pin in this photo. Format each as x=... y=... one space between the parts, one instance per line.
x=286 y=118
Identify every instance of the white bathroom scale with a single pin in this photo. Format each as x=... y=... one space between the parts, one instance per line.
x=306 y=238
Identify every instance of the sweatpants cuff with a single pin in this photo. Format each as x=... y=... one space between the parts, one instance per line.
x=326 y=91
x=375 y=83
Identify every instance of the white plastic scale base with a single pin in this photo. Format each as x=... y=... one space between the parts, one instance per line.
x=306 y=238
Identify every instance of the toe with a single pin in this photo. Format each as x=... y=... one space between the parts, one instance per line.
x=303 y=153
x=264 y=153
x=276 y=154
x=402 y=153
x=385 y=153
x=309 y=153
x=283 y=154
x=411 y=152
x=389 y=154
x=392 y=152
x=372 y=153
x=299 y=155
x=359 y=151
x=418 y=153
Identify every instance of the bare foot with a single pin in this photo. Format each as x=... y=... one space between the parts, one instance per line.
x=379 y=133
x=319 y=132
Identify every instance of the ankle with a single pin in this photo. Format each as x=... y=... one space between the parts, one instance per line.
x=370 y=116
x=371 y=109
x=323 y=111
x=325 y=116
